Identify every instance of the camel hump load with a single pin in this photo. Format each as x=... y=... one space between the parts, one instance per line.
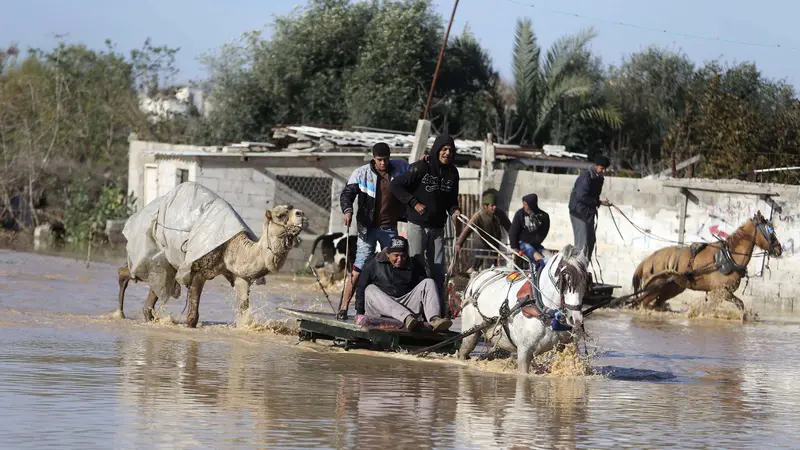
x=192 y=235
x=173 y=231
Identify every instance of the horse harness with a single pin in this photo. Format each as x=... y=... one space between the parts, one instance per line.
x=529 y=303
x=723 y=258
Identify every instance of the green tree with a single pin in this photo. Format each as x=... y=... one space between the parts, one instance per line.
x=650 y=89
x=460 y=104
x=553 y=88
x=66 y=114
x=388 y=86
x=738 y=121
x=337 y=62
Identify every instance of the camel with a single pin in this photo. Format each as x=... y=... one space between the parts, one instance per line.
x=240 y=260
x=710 y=267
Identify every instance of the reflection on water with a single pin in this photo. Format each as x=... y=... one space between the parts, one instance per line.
x=71 y=378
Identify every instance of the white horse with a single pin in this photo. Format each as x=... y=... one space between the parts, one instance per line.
x=538 y=326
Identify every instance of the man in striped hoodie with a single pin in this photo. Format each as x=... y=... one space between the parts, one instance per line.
x=378 y=210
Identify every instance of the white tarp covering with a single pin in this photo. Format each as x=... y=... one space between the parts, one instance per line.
x=174 y=231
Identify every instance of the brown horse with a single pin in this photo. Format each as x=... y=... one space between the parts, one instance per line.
x=707 y=267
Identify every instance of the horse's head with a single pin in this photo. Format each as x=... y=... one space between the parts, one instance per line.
x=572 y=281
x=766 y=239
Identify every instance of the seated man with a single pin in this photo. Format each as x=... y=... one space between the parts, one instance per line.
x=529 y=229
x=393 y=285
x=490 y=221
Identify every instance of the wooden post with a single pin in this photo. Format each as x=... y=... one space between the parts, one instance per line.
x=439 y=62
x=420 y=140
x=488 y=162
x=482 y=172
x=682 y=226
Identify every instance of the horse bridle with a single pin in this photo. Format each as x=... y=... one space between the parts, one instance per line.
x=768 y=232
x=563 y=306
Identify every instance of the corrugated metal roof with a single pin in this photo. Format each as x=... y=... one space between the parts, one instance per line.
x=370 y=138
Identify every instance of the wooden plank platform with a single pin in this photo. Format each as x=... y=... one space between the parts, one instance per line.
x=320 y=325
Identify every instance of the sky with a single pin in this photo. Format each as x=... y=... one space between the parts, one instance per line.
x=201 y=26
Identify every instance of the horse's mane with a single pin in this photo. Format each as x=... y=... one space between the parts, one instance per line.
x=735 y=238
x=572 y=270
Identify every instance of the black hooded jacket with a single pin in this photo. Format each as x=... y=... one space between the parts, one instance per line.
x=531 y=228
x=393 y=281
x=431 y=184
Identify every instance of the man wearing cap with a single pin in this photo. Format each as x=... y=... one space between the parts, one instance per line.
x=378 y=210
x=393 y=285
x=429 y=189
x=584 y=200
x=490 y=222
x=529 y=229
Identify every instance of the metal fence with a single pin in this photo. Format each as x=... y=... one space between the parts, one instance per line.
x=315 y=189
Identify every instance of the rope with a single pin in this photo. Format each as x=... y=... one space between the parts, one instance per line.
x=477 y=328
x=509 y=260
x=314 y=272
x=474 y=227
x=588 y=311
x=647 y=233
x=347 y=271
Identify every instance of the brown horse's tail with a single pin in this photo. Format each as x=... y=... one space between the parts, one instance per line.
x=637 y=276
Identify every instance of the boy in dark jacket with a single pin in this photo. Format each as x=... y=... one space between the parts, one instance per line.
x=529 y=229
x=378 y=210
x=429 y=189
x=583 y=203
x=393 y=285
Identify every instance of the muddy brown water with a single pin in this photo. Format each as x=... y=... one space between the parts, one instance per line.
x=72 y=377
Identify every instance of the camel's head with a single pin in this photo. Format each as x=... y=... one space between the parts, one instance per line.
x=766 y=239
x=284 y=221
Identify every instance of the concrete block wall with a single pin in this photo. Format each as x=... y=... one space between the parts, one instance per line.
x=654 y=207
x=249 y=192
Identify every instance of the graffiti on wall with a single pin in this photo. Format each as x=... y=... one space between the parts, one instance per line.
x=709 y=222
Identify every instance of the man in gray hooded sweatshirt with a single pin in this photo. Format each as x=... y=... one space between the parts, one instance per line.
x=429 y=189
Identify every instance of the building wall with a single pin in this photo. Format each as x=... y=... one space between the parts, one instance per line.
x=654 y=207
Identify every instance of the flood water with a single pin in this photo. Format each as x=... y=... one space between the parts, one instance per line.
x=72 y=377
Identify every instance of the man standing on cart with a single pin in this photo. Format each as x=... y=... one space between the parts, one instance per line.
x=378 y=210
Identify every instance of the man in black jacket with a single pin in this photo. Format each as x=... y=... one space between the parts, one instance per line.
x=529 y=229
x=583 y=203
x=378 y=210
x=429 y=189
x=393 y=285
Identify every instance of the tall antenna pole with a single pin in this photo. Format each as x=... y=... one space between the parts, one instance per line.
x=439 y=62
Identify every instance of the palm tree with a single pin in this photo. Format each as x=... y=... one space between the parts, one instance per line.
x=555 y=89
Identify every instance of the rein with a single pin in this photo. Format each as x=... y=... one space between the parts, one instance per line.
x=767 y=236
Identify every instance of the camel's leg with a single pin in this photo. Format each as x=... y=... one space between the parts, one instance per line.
x=468 y=344
x=524 y=356
x=242 y=289
x=195 y=289
x=150 y=306
x=123 y=276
